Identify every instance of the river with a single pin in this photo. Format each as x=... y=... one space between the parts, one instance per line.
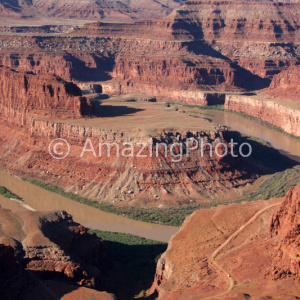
x=40 y=199
x=283 y=143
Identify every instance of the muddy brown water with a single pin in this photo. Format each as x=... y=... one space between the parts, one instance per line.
x=284 y=144
x=40 y=199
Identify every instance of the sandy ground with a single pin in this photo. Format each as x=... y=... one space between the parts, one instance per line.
x=115 y=114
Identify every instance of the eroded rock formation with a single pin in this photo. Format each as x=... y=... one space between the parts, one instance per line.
x=89 y=10
x=23 y=94
x=52 y=243
x=286 y=85
x=285 y=225
x=36 y=109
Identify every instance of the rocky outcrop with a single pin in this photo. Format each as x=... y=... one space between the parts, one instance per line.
x=281 y=115
x=51 y=243
x=286 y=85
x=23 y=94
x=39 y=63
x=43 y=253
x=285 y=225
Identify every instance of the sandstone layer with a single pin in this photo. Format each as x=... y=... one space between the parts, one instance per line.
x=23 y=94
x=34 y=114
x=227 y=253
x=204 y=45
x=285 y=85
x=285 y=226
x=279 y=114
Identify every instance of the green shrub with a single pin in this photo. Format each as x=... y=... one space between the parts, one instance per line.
x=7 y=194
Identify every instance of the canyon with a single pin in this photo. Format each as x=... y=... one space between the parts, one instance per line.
x=118 y=84
x=234 y=252
x=203 y=45
x=195 y=55
x=29 y=124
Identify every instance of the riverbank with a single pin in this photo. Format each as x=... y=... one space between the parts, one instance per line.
x=242 y=114
x=264 y=157
x=43 y=200
x=281 y=114
x=275 y=185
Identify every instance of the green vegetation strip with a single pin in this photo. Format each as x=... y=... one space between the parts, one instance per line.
x=7 y=194
x=133 y=263
x=283 y=173
x=168 y=216
x=277 y=185
x=207 y=107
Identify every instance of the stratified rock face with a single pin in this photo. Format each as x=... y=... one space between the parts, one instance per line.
x=52 y=243
x=286 y=84
x=36 y=114
x=24 y=93
x=282 y=116
x=285 y=224
x=90 y=9
x=210 y=20
x=220 y=45
x=207 y=45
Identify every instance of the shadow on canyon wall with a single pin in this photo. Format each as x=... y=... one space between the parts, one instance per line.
x=127 y=263
x=244 y=79
x=133 y=268
x=265 y=159
x=84 y=73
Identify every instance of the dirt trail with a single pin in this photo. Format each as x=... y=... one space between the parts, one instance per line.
x=222 y=246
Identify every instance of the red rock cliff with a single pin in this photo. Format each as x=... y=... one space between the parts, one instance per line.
x=286 y=84
x=285 y=225
x=285 y=117
x=23 y=94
